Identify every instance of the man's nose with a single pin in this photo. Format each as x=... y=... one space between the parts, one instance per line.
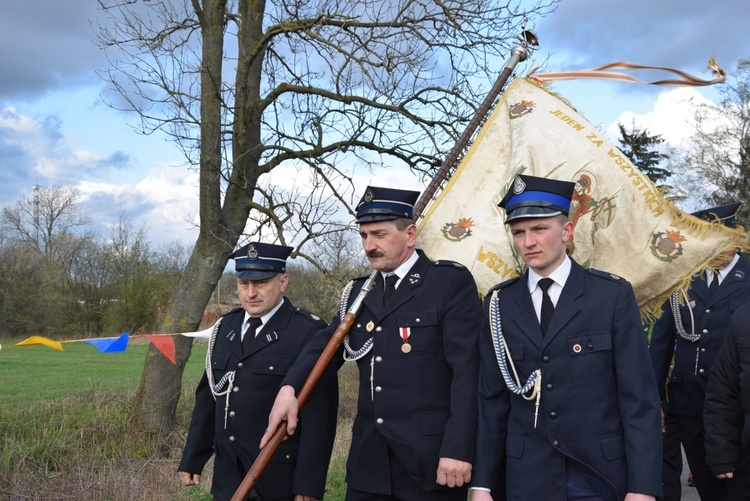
x=367 y=244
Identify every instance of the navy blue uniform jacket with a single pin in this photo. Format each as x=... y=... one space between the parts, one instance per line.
x=300 y=464
x=421 y=405
x=599 y=406
x=727 y=411
x=687 y=383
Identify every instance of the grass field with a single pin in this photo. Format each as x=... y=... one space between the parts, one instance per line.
x=65 y=433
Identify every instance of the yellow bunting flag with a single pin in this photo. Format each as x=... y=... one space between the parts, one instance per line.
x=623 y=224
x=39 y=341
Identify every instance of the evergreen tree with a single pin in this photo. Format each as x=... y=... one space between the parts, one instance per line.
x=638 y=147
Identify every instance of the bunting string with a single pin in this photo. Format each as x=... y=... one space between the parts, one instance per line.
x=164 y=342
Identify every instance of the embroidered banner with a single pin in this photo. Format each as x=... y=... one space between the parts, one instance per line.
x=623 y=225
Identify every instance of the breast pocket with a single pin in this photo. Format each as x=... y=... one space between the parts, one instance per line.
x=358 y=334
x=735 y=303
x=219 y=363
x=422 y=328
x=271 y=366
x=591 y=354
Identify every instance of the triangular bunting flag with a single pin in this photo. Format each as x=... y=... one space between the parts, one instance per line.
x=163 y=343
x=204 y=334
x=110 y=344
x=40 y=341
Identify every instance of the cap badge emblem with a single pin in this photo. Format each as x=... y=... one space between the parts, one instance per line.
x=369 y=195
x=518 y=185
x=252 y=252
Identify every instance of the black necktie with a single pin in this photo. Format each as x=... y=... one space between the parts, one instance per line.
x=547 y=306
x=390 y=286
x=253 y=324
x=714 y=282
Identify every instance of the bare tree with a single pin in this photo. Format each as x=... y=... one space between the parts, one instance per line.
x=276 y=104
x=318 y=286
x=52 y=232
x=41 y=222
x=716 y=162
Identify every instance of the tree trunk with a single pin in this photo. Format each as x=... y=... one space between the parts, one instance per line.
x=220 y=225
x=155 y=404
x=161 y=382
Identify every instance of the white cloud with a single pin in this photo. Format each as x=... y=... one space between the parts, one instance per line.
x=165 y=202
x=671 y=116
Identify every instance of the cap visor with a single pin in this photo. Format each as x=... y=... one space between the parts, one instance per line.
x=529 y=212
x=255 y=274
x=371 y=218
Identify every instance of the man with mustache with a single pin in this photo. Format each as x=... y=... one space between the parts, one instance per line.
x=415 y=342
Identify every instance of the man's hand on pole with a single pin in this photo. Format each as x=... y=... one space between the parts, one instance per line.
x=285 y=408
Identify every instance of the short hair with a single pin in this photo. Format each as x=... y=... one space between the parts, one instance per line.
x=402 y=223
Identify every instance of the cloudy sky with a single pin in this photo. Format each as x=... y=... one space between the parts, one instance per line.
x=55 y=129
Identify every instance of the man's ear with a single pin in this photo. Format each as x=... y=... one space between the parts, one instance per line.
x=568 y=231
x=284 y=281
x=412 y=232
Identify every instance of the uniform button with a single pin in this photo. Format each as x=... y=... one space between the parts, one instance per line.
x=270 y=367
x=708 y=310
x=701 y=371
x=231 y=413
x=418 y=320
x=359 y=326
x=378 y=329
x=545 y=359
x=703 y=350
x=288 y=456
x=240 y=365
x=553 y=414
x=236 y=389
x=705 y=331
x=556 y=443
x=379 y=420
x=231 y=438
x=378 y=389
x=378 y=358
x=550 y=386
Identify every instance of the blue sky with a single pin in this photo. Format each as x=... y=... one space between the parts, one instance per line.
x=55 y=128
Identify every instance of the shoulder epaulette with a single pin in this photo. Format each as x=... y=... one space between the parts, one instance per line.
x=502 y=285
x=233 y=311
x=307 y=314
x=604 y=274
x=447 y=262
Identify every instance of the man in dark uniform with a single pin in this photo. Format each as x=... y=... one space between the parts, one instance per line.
x=416 y=349
x=250 y=351
x=727 y=409
x=692 y=333
x=568 y=409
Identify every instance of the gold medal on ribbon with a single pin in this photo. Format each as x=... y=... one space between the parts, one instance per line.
x=370 y=326
x=404 y=333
